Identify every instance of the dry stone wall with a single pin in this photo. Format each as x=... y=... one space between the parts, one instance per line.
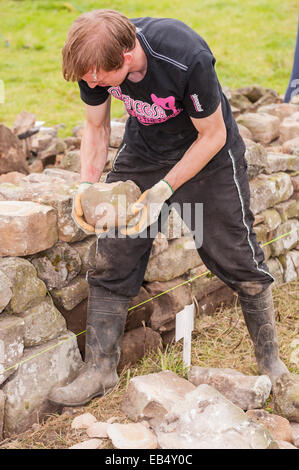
x=44 y=257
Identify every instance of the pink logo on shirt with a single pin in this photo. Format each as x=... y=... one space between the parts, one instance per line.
x=147 y=113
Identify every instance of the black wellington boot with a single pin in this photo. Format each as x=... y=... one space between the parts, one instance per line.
x=258 y=311
x=106 y=317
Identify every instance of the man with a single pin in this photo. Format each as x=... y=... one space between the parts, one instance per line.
x=181 y=145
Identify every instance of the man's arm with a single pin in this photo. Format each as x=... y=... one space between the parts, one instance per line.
x=211 y=138
x=95 y=142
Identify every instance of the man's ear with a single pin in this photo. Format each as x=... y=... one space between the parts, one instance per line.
x=128 y=57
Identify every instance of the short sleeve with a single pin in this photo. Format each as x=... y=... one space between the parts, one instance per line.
x=202 y=93
x=92 y=96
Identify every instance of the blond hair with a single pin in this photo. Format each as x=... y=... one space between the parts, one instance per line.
x=97 y=40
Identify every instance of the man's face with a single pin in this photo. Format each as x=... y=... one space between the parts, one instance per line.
x=103 y=78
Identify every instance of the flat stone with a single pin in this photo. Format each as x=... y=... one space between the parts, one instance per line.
x=268 y=190
x=97 y=429
x=278 y=426
x=150 y=397
x=5 y=290
x=205 y=419
x=57 y=266
x=117 y=133
x=285 y=445
x=26 y=228
x=244 y=391
x=89 y=444
x=286 y=396
x=83 y=421
x=15 y=192
x=288 y=209
x=289 y=128
x=43 y=367
x=288 y=242
x=43 y=323
x=131 y=436
x=282 y=162
x=180 y=256
x=69 y=177
x=70 y=296
x=264 y=127
x=2 y=404
x=11 y=344
x=27 y=289
x=136 y=343
x=281 y=110
x=295 y=433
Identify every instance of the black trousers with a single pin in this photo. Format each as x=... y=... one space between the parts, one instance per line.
x=228 y=246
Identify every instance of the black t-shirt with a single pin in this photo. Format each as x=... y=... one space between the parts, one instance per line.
x=180 y=81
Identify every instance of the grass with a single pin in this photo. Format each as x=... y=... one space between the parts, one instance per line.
x=253 y=42
x=220 y=340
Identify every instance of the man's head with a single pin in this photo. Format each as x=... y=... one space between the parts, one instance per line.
x=98 y=48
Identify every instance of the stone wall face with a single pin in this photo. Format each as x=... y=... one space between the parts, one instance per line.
x=44 y=257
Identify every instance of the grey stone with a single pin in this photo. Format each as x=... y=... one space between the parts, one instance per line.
x=27 y=289
x=268 y=190
x=287 y=242
x=264 y=127
x=244 y=391
x=87 y=253
x=290 y=263
x=289 y=127
x=205 y=419
x=281 y=162
x=70 y=296
x=272 y=219
x=276 y=269
x=11 y=344
x=43 y=368
x=5 y=290
x=288 y=209
x=42 y=323
x=286 y=396
x=150 y=397
x=58 y=266
x=71 y=161
x=256 y=157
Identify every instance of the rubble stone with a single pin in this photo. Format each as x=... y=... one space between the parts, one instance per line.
x=131 y=436
x=5 y=290
x=285 y=396
x=288 y=242
x=11 y=344
x=268 y=190
x=89 y=444
x=13 y=157
x=97 y=429
x=291 y=146
x=278 y=426
x=71 y=295
x=289 y=127
x=2 y=404
x=264 y=127
x=282 y=162
x=256 y=157
x=136 y=343
x=83 y=421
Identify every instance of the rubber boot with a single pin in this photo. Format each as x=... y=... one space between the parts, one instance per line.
x=106 y=317
x=258 y=311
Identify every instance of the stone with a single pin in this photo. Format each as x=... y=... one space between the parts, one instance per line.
x=180 y=256
x=288 y=209
x=83 y=421
x=87 y=252
x=48 y=155
x=36 y=166
x=281 y=110
x=295 y=182
x=12 y=177
x=131 y=436
x=47 y=366
x=289 y=128
x=288 y=242
x=294 y=357
x=264 y=127
x=295 y=433
x=285 y=445
x=71 y=161
x=286 y=396
x=256 y=157
x=290 y=263
x=272 y=219
x=261 y=232
x=295 y=99
x=117 y=133
x=2 y=405
x=13 y=157
x=112 y=152
x=40 y=142
x=269 y=96
x=146 y=396
x=72 y=142
x=71 y=295
x=166 y=306
x=57 y=266
x=106 y=204
x=205 y=419
x=89 y=444
x=159 y=245
x=97 y=429
x=136 y=343
x=23 y=123
x=69 y=177
x=267 y=251
x=244 y=132
x=282 y=162
x=27 y=289
x=43 y=322
x=5 y=290
x=26 y=228
x=268 y=190
x=14 y=192
x=11 y=344
x=291 y=146
x=276 y=269
x=244 y=391
x=252 y=92
x=239 y=101
x=279 y=427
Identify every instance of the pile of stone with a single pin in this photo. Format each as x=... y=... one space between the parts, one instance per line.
x=213 y=409
x=44 y=257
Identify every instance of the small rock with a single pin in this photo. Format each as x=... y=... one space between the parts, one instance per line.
x=12 y=177
x=286 y=396
x=132 y=436
x=83 y=421
x=278 y=426
x=97 y=429
x=89 y=444
x=289 y=128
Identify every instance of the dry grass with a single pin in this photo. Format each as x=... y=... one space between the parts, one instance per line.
x=220 y=340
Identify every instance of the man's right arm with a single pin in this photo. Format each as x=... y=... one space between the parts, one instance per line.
x=95 y=142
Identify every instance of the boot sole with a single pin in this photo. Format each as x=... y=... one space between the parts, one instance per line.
x=84 y=402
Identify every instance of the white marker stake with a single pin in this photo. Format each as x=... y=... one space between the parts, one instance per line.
x=183 y=328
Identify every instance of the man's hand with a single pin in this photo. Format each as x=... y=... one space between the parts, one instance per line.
x=77 y=211
x=148 y=207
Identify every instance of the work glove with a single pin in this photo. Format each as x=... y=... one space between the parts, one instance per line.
x=77 y=211
x=148 y=207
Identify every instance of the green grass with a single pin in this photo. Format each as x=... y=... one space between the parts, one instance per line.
x=253 y=42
